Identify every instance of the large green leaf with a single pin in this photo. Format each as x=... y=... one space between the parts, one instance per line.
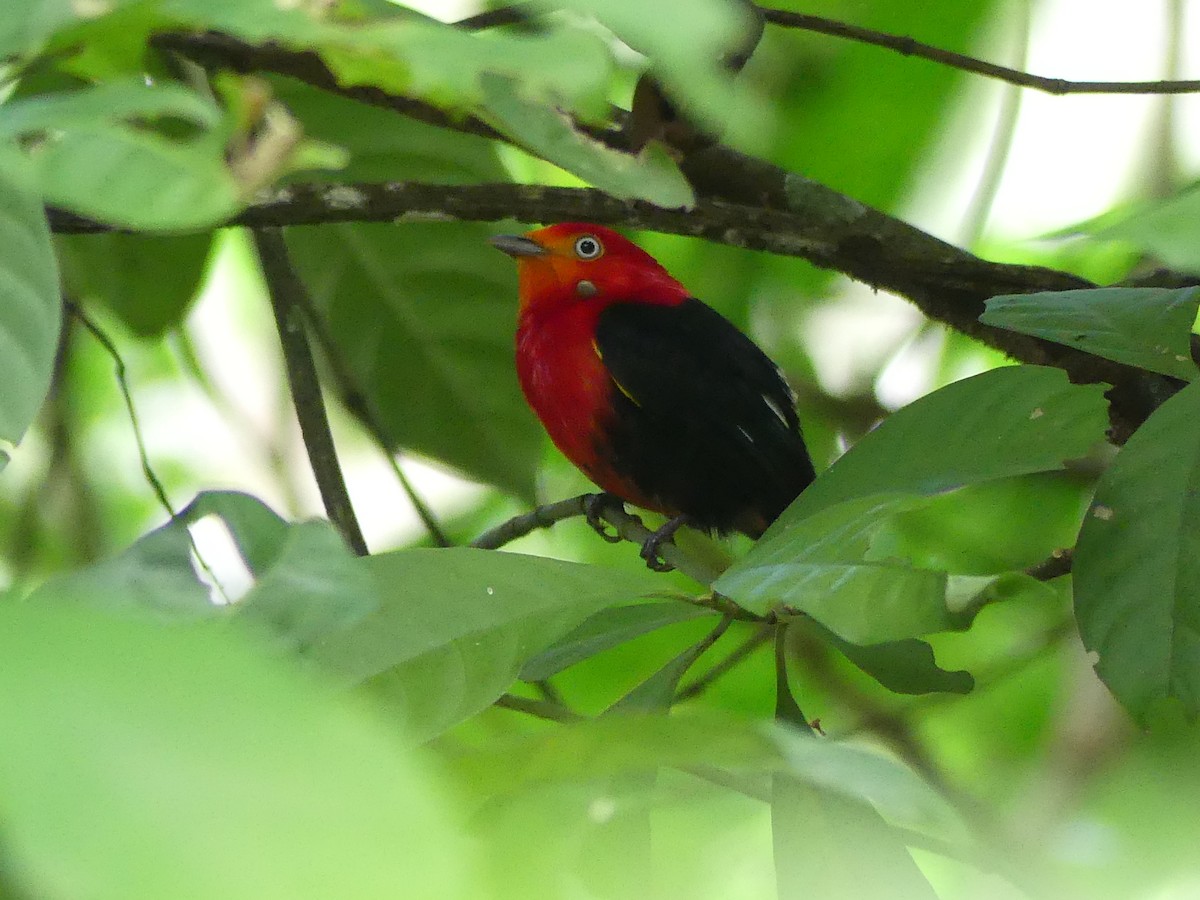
x=218 y=772
x=1009 y=421
x=1137 y=563
x=113 y=101
x=1146 y=327
x=455 y=626
x=424 y=318
x=30 y=306
x=137 y=178
x=822 y=566
x=149 y=281
x=651 y=175
x=25 y=27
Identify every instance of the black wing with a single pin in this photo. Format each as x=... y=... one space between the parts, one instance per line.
x=705 y=422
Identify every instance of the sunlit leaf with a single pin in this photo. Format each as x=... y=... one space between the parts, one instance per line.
x=1167 y=229
x=1137 y=563
x=1145 y=327
x=218 y=771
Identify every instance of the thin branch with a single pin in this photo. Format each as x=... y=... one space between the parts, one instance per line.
x=359 y=403
x=909 y=47
x=285 y=287
x=737 y=656
x=542 y=709
x=123 y=384
x=519 y=526
x=1054 y=566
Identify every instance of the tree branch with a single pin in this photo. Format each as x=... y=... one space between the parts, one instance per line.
x=792 y=216
x=284 y=286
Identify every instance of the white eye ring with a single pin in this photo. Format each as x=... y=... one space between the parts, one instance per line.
x=588 y=247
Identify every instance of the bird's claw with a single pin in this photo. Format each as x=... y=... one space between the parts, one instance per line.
x=593 y=509
x=650 y=548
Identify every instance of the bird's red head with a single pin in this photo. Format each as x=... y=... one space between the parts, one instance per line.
x=574 y=262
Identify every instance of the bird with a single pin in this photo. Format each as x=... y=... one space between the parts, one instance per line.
x=655 y=396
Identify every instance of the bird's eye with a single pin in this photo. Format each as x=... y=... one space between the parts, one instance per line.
x=588 y=247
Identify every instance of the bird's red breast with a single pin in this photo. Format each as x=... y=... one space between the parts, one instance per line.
x=563 y=287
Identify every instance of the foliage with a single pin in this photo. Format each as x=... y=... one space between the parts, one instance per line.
x=883 y=697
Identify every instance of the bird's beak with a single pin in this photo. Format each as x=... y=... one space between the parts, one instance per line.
x=517 y=246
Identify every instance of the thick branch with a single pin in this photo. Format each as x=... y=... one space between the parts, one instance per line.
x=792 y=216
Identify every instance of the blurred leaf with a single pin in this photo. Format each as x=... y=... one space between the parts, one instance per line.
x=454 y=626
x=30 y=304
x=905 y=667
x=607 y=629
x=820 y=566
x=423 y=316
x=651 y=175
x=219 y=773
x=1008 y=421
x=1145 y=327
x=827 y=844
x=1137 y=563
x=111 y=102
x=153 y=578
x=1169 y=229
x=687 y=55
x=24 y=30
x=148 y=281
x=136 y=178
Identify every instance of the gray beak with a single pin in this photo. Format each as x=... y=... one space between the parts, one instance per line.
x=517 y=246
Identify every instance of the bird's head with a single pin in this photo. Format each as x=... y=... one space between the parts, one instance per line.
x=576 y=263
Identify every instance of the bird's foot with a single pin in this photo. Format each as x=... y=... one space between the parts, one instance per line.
x=656 y=540
x=594 y=506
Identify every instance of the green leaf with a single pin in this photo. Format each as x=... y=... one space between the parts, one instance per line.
x=30 y=306
x=136 y=178
x=1145 y=327
x=109 y=102
x=685 y=55
x=1137 y=563
x=153 y=578
x=905 y=666
x=423 y=318
x=1168 y=229
x=256 y=529
x=26 y=29
x=218 y=771
x=546 y=132
x=820 y=566
x=827 y=844
x=605 y=630
x=148 y=281
x=455 y=626
x=1008 y=421
x=657 y=693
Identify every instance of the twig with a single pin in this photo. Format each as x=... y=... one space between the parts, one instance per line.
x=542 y=709
x=123 y=384
x=742 y=652
x=1054 y=566
x=910 y=47
x=359 y=403
x=519 y=526
x=284 y=287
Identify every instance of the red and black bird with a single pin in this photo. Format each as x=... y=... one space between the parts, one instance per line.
x=655 y=396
